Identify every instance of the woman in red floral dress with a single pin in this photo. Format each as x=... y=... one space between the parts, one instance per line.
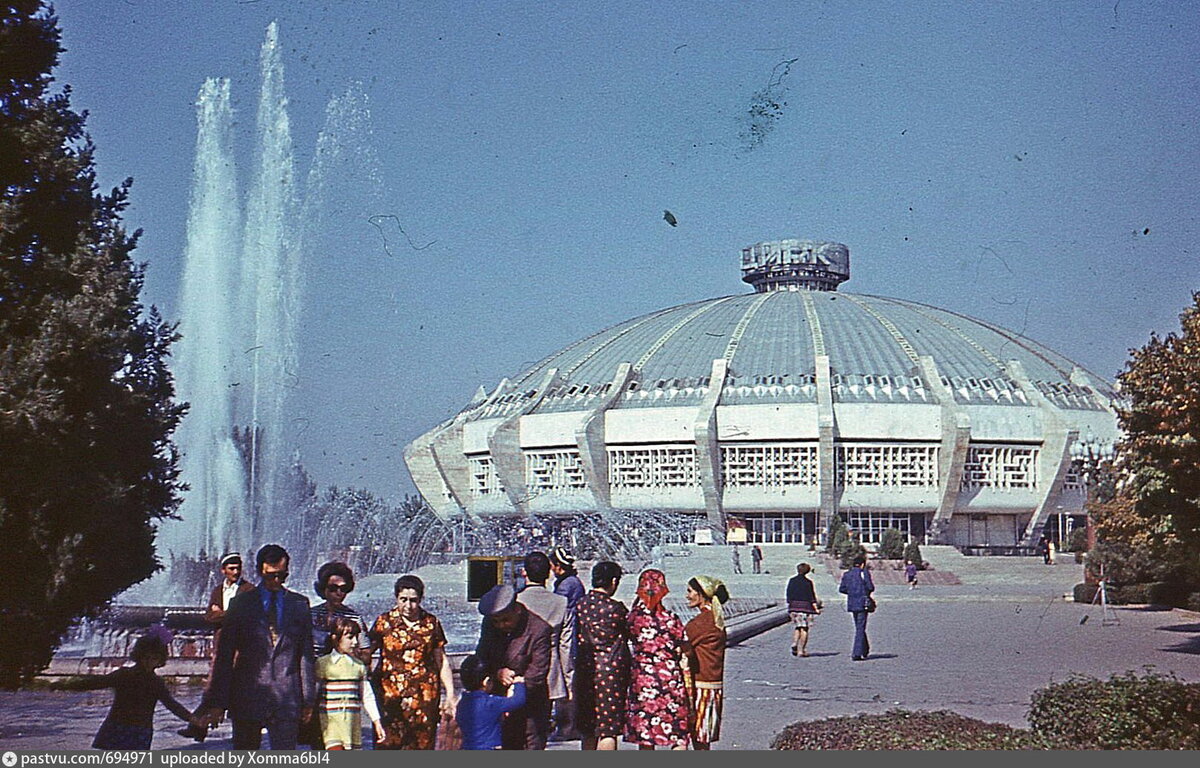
x=658 y=700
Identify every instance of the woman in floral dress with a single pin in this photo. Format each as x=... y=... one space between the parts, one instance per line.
x=602 y=660
x=414 y=672
x=657 y=713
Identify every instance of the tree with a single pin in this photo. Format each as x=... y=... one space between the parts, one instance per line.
x=1161 y=448
x=86 y=399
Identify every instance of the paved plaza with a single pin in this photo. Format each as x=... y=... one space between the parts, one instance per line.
x=980 y=648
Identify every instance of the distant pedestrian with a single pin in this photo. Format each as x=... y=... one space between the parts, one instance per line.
x=857 y=586
x=138 y=689
x=481 y=712
x=803 y=605
x=756 y=558
x=737 y=559
x=658 y=700
x=602 y=664
x=910 y=573
x=1051 y=551
x=1043 y=549
x=704 y=649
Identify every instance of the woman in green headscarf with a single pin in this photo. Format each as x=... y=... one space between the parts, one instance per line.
x=704 y=649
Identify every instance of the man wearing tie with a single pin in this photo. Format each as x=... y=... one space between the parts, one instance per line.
x=263 y=669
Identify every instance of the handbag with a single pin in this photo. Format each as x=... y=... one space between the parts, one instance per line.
x=870 y=604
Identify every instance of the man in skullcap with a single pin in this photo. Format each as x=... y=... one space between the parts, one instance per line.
x=232 y=584
x=515 y=642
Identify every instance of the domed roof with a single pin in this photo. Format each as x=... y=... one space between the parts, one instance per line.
x=771 y=341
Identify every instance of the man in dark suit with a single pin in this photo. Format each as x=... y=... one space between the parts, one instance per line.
x=263 y=670
x=515 y=642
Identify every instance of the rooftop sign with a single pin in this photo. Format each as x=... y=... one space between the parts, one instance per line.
x=791 y=265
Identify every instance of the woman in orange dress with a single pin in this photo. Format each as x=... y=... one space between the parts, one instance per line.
x=414 y=672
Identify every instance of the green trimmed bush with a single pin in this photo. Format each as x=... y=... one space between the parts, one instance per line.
x=1077 y=541
x=891 y=544
x=1153 y=593
x=1085 y=593
x=1125 y=712
x=912 y=551
x=902 y=729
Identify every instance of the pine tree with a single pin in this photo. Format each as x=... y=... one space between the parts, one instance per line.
x=86 y=399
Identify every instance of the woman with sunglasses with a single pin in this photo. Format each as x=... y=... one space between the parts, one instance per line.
x=334 y=581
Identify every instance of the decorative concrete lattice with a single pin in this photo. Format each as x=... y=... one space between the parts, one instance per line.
x=1000 y=466
x=484 y=481
x=899 y=466
x=554 y=470
x=769 y=466
x=652 y=467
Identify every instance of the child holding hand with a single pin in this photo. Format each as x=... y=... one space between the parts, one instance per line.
x=480 y=712
x=344 y=690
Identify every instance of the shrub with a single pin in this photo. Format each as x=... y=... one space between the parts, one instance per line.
x=912 y=551
x=837 y=532
x=891 y=544
x=1077 y=541
x=901 y=729
x=1085 y=593
x=1124 y=712
x=1154 y=593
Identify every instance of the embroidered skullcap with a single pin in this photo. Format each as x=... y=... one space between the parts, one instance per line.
x=233 y=558
x=562 y=557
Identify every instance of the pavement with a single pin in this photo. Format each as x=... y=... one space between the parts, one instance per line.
x=980 y=648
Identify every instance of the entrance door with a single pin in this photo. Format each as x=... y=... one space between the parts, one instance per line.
x=978 y=532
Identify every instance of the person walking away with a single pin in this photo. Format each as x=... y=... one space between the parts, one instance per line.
x=657 y=710
x=857 y=586
x=567 y=584
x=704 y=649
x=343 y=690
x=1043 y=549
x=137 y=690
x=910 y=573
x=737 y=559
x=756 y=558
x=602 y=662
x=515 y=642
x=480 y=711
x=803 y=605
x=552 y=609
x=414 y=672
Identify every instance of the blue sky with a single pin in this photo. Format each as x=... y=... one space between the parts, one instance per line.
x=1030 y=164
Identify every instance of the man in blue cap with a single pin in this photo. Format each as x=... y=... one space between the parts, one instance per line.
x=514 y=642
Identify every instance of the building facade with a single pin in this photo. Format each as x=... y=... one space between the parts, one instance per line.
x=779 y=408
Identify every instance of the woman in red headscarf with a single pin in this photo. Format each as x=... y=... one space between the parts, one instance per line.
x=658 y=700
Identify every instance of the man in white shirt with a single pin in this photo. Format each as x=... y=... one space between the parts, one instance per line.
x=231 y=585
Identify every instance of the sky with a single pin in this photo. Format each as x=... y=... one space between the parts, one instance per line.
x=1030 y=164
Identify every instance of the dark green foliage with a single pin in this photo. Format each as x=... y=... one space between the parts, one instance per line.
x=836 y=534
x=1077 y=541
x=891 y=544
x=912 y=551
x=86 y=409
x=901 y=729
x=1085 y=593
x=1125 y=712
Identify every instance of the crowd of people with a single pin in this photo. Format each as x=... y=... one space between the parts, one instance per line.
x=554 y=662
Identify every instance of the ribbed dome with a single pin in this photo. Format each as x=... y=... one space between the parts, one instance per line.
x=771 y=341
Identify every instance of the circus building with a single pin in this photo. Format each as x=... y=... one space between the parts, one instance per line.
x=778 y=408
